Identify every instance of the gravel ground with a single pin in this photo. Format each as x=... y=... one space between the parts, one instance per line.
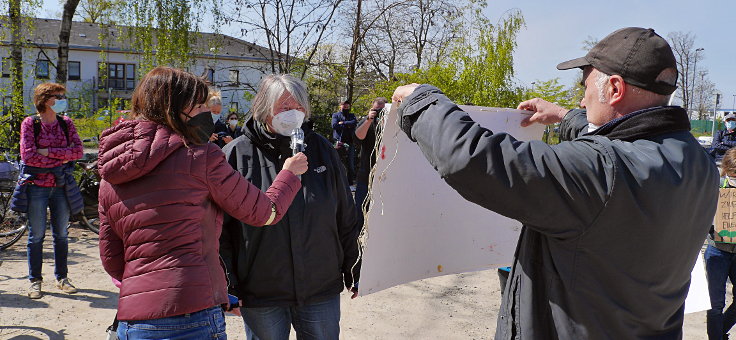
x=450 y=307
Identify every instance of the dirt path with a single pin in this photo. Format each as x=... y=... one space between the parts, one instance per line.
x=450 y=307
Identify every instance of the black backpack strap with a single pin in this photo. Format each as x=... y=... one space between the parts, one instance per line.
x=64 y=128
x=37 y=128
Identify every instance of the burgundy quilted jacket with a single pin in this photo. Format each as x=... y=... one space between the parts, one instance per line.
x=161 y=209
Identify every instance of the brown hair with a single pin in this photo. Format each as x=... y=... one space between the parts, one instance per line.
x=164 y=93
x=728 y=163
x=43 y=92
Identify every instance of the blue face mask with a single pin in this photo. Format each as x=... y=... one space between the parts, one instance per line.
x=59 y=106
x=731 y=124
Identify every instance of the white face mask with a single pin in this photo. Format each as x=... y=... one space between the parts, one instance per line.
x=284 y=122
x=215 y=117
x=233 y=122
x=592 y=127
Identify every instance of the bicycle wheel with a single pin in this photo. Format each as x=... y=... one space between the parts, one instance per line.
x=12 y=228
x=92 y=223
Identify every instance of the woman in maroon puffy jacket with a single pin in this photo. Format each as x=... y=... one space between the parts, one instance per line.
x=162 y=197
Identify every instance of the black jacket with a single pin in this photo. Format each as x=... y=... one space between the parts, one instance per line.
x=613 y=220
x=312 y=253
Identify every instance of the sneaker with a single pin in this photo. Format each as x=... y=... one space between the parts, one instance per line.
x=34 y=292
x=66 y=286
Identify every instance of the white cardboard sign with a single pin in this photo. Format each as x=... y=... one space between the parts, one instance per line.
x=418 y=226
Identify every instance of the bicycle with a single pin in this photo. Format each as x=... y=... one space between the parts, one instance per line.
x=12 y=224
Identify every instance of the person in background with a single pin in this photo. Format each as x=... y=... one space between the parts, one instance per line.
x=720 y=265
x=366 y=138
x=48 y=143
x=613 y=217
x=343 y=129
x=214 y=103
x=232 y=130
x=293 y=273
x=725 y=139
x=162 y=196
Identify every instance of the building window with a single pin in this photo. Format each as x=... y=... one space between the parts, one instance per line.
x=7 y=63
x=42 y=69
x=234 y=76
x=211 y=75
x=119 y=77
x=130 y=76
x=233 y=106
x=74 y=70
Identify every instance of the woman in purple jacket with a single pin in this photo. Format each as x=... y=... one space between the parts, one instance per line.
x=162 y=197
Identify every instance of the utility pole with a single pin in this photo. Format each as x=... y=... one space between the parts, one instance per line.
x=695 y=70
x=715 y=108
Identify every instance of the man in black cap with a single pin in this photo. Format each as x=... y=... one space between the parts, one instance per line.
x=726 y=138
x=614 y=216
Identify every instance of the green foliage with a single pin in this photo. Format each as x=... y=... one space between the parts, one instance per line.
x=480 y=69
x=554 y=92
x=17 y=24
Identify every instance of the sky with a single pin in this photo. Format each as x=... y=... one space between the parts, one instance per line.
x=555 y=31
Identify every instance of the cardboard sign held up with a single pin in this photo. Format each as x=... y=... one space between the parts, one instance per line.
x=725 y=221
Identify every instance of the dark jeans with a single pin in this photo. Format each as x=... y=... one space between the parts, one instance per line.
x=347 y=155
x=40 y=198
x=318 y=321
x=361 y=191
x=205 y=324
x=720 y=266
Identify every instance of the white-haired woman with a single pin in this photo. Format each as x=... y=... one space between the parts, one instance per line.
x=214 y=104
x=293 y=273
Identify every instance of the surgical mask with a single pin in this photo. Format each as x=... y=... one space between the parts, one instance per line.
x=203 y=124
x=215 y=117
x=592 y=127
x=284 y=122
x=59 y=106
x=731 y=124
x=233 y=122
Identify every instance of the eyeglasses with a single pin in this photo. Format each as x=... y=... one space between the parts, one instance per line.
x=59 y=96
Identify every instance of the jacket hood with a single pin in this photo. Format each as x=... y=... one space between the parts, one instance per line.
x=134 y=148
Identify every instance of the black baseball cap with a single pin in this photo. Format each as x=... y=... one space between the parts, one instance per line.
x=637 y=54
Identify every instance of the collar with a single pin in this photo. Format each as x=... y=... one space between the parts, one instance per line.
x=645 y=123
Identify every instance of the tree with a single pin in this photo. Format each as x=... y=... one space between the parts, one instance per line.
x=291 y=29
x=553 y=92
x=70 y=7
x=687 y=57
x=164 y=30
x=100 y=11
x=479 y=71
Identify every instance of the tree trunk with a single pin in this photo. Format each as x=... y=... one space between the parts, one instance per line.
x=64 y=33
x=16 y=72
x=354 y=53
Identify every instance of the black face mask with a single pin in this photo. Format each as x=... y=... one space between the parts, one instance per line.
x=203 y=124
x=345 y=111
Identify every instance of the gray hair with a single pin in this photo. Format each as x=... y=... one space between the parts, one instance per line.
x=668 y=76
x=214 y=99
x=272 y=87
x=600 y=84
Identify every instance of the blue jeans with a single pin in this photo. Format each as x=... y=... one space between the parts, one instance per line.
x=318 y=321
x=39 y=198
x=720 y=266
x=205 y=324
